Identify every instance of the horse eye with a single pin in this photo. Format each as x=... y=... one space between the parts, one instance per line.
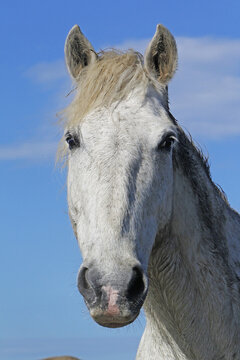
x=166 y=143
x=72 y=141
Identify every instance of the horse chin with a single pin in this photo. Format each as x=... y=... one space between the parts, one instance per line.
x=113 y=321
x=115 y=324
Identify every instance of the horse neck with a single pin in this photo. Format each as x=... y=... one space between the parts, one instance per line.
x=191 y=284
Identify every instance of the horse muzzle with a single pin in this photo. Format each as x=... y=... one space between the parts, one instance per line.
x=113 y=300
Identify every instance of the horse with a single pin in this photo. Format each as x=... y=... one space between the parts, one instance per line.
x=153 y=228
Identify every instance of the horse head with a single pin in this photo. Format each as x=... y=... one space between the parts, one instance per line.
x=120 y=139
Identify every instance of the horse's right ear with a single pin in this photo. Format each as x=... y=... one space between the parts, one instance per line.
x=161 y=55
x=78 y=51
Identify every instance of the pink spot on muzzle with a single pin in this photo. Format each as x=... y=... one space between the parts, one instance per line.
x=112 y=296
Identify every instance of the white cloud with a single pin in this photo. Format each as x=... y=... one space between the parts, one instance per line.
x=205 y=94
x=47 y=72
x=28 y=150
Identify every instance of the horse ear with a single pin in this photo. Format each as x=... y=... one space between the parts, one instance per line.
x=161 y=55
x=78 y=51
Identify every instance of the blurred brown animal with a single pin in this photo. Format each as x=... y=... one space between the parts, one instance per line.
x=61 y=358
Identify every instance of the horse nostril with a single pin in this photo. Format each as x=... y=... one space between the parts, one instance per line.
x=87 y=284
x=83 y=283
x=136 y=285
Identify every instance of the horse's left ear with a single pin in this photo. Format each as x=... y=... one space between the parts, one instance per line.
x=161 y=55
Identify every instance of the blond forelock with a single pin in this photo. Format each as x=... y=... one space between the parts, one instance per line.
x=110 y=79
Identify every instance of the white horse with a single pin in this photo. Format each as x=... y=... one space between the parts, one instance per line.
x=152 y=226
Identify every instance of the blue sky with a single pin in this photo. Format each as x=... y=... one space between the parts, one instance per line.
x=42 y=313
